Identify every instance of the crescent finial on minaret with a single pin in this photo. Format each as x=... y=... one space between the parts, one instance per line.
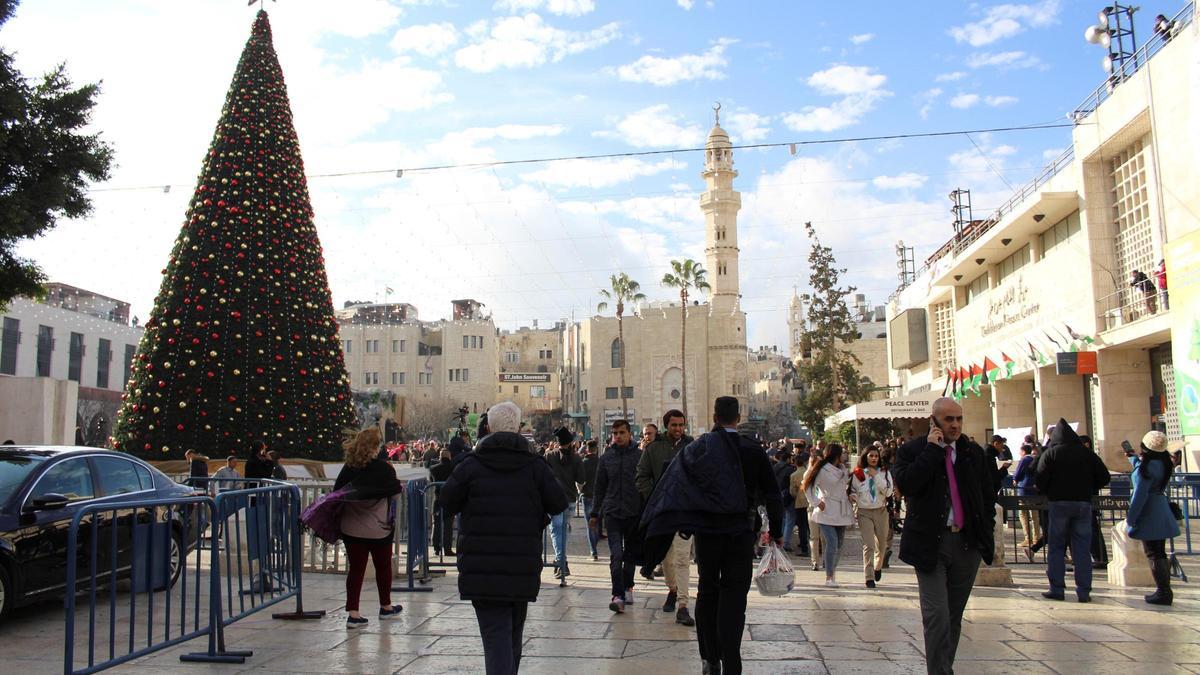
x=717 y=112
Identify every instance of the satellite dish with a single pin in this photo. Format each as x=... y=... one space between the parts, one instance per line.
x=1095 y=34
x=1103 y=16
x=1107 y=64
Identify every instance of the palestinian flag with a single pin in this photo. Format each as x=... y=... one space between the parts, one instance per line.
x=990 y=370
x=1086 y=339
x=964 y=381
x=976 y=378
x=1050 y=337
x=947 y=388
x=1035 y=355
x=1009 y=365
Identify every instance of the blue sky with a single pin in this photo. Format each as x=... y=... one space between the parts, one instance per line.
x=378 y=85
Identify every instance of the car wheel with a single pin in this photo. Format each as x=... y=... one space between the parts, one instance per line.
x=6 y=593
x=176 y=561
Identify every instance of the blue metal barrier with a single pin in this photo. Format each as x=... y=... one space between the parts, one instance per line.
x=148 y=542
x=417 y=558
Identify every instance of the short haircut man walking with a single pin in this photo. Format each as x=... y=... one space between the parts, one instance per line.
x=950 y=491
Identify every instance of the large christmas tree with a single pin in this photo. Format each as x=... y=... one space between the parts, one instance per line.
x=242 y=344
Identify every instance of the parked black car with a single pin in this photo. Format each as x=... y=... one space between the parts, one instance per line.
x=41 y=490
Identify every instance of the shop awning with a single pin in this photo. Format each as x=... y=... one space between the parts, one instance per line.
x=918 y=405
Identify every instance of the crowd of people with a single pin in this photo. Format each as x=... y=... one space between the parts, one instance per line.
x=665 y=502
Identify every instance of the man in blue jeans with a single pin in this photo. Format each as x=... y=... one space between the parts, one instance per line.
x=568 y=470
x=1069 y=475
x=618 y=501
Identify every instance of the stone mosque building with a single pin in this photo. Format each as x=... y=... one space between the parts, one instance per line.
x=717 y=362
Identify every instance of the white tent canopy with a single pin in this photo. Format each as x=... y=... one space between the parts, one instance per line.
x=917 y=405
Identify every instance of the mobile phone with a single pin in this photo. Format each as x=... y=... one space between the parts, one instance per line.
x=933 y=420
x=1128 y=448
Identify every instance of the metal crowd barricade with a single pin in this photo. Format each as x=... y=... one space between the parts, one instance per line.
x=416 y=564
x=153 y=544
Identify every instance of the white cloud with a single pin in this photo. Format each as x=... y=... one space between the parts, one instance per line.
x=597 y=173
x=1007 y=60
x=928 y=99
x=429 y=39
x=559 y=7
x=463 y=145
x=661 y=71
x=655 y=127
x=686 y=4
x=903 y=181
x=860 y=87
x=525 y=42
x=997 y=101
x=861 y=38
x=747 y=127
x=950 y=77
x=842 y=80
x=1004 y=21
x=964 y=101
x=1051 y=154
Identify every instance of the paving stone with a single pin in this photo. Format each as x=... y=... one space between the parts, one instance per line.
x=1159 y=652
x=1080 y=651
x=778 y=632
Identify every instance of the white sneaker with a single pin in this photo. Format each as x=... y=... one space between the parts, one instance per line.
x=831 y=583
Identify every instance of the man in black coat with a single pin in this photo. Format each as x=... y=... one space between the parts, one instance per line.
x=1069 y=475
x=504 y=493
x=591 y=462
x=568 y=470
x=617 y=500
x=443 y=523
x=949 y=486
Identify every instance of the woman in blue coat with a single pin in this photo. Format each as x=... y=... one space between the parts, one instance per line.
x=1149 y=519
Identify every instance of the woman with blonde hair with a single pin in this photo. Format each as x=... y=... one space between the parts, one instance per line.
x=367 y=521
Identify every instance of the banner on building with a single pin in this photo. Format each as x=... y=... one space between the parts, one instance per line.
x=1075 y=363
x=1183 y=288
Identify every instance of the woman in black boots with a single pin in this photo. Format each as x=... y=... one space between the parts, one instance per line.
x=1150 y=519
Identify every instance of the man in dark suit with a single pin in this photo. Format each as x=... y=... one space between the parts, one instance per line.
x=949 y=486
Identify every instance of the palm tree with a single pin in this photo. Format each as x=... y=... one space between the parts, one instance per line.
x=685 y=275
x=622 y=291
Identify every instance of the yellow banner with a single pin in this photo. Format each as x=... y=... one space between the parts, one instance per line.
x=1183 y=288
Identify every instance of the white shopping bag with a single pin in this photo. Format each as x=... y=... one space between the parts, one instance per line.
x=774 y=576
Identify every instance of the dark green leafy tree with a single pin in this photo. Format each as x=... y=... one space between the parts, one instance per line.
x=829 y=370
x=45 y=162
x=242 y=344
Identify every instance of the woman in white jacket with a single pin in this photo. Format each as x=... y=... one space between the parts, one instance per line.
x=826 y=487
x=871 y=485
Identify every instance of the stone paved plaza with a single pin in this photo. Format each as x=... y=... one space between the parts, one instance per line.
x=814 y=629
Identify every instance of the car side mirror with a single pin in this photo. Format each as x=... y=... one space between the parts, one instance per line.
x=50 y=500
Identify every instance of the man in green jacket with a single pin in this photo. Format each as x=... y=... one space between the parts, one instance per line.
x=654 y=461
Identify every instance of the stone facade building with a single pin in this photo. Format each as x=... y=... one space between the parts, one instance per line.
x=716 y=331
x=1047 y=289
x=529 y=368
x=430 y=366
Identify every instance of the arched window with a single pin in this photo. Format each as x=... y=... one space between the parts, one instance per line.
x=618 y=355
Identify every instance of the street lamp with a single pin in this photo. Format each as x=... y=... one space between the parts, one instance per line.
x=1114 y=32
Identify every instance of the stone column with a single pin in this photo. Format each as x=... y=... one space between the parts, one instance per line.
x=1128 y=565
x=1059 y=396
x=1122 y=403
x=998 y=573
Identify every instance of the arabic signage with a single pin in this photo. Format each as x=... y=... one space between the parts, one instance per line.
x=1009 y=307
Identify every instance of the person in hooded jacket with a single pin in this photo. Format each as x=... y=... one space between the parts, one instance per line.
x=1069 y=475
x=504 y=493
x=949 y=488
x=618 y=501
x=568 y=471
x=367 y=522
x=1149 y=518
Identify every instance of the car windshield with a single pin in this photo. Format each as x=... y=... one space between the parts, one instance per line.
x=13 y=472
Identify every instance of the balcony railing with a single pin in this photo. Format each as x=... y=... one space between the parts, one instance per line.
x=1134 y=63
x=1129 y=305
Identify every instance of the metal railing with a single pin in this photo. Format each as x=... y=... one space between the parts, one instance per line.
x=1134 y=63
x=1128 y=305
x=151 y=543
x=252 y=552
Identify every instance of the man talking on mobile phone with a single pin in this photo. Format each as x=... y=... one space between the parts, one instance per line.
x=949 y=487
